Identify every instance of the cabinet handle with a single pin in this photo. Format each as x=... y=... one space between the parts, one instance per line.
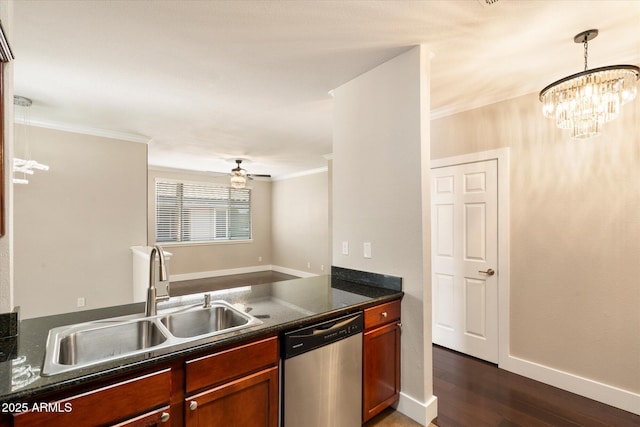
x=384 y=314
x=164 y=417
x=400 y=325
x=193 y=405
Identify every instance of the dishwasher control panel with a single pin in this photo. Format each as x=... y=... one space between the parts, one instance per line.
x=320 y=334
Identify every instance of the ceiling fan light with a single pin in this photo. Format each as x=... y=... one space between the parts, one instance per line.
x=238 y=180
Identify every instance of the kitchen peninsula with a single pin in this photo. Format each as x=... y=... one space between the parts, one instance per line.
x=175 y=372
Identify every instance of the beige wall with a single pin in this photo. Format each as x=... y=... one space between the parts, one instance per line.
x=202 y=258
x=6 y=242
x=381 y=133
x=301 y=223
x=74 y=224
x=575 y=235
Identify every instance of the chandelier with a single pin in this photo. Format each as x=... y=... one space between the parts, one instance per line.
x=26 y=165
x=583 y=102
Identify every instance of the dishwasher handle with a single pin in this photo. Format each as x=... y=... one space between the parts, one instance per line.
x=308 y=338
x=322 y=329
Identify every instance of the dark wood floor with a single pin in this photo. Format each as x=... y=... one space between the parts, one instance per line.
x=225 y=282
x=474 y=393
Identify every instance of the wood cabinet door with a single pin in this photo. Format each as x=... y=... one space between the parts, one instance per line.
x=250 y=401
x=381 y=369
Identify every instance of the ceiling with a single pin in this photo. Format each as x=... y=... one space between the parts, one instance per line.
x=209 y=81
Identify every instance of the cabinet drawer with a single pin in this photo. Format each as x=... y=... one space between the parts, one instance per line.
x=105 y=406
x=159 y=417
x=381 y=314
x=229 y=364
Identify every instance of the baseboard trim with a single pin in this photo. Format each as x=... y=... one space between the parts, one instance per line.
x=218 y=273
x=292 y=272
x=422 y=413
x=610 y=395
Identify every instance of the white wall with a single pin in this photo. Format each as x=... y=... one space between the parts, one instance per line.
x=74 y=224
x=380 y=195
x=300 y=225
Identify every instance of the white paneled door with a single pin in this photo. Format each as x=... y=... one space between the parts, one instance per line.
x=464 y=258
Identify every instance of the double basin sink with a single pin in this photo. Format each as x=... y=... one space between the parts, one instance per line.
x=86 y=344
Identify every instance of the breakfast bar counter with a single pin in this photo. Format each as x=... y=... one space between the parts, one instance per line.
x=279 y=306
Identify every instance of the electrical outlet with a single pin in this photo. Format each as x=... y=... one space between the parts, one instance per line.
x=308 y=264
x=81 y=302
x=259 y=259
x=322 y=267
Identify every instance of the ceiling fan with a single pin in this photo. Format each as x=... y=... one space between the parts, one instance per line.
x=239 y=175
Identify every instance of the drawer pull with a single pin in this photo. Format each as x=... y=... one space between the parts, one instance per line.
x=164 y=417
x=384 y=314
x=193 y=405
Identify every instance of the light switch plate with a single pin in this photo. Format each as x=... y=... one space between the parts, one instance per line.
x=367 y=249
x=345 y=248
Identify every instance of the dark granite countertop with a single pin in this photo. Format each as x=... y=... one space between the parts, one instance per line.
x=280 y=305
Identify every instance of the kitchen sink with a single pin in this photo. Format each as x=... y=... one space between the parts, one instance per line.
x=88 y=344
x=218 y=318
x=107 y=342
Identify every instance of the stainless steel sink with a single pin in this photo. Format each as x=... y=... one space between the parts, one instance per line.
x=87 y=344
x=90 y=345
x=218 y=318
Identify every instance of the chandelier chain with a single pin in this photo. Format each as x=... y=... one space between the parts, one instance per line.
x=586 y=53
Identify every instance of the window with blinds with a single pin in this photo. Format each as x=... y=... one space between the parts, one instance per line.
x=189 y=212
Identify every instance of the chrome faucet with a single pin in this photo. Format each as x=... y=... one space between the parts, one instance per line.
x=151 y=308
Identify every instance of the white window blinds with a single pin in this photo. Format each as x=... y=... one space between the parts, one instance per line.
x=189 y=212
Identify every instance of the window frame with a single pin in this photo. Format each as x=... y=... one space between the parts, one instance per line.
x=181 y=219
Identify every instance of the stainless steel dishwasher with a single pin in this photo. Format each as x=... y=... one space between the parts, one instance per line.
x=322 y=374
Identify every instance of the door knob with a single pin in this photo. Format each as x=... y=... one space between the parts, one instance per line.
x=489 y=272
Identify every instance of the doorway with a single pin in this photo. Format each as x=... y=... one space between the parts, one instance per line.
x=469 y=253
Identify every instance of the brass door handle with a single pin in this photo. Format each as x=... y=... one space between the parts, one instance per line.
x=489 y=272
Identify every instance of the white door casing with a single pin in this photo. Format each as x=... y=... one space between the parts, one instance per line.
x=465 y=258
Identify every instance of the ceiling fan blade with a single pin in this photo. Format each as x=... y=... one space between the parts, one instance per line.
x=257 y=175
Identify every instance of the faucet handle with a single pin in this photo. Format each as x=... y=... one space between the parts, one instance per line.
x=163 y=290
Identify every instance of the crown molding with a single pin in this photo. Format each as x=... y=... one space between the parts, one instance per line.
x=438 y=113
x=299 y=174
x=123 y=136
x=170 y=169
